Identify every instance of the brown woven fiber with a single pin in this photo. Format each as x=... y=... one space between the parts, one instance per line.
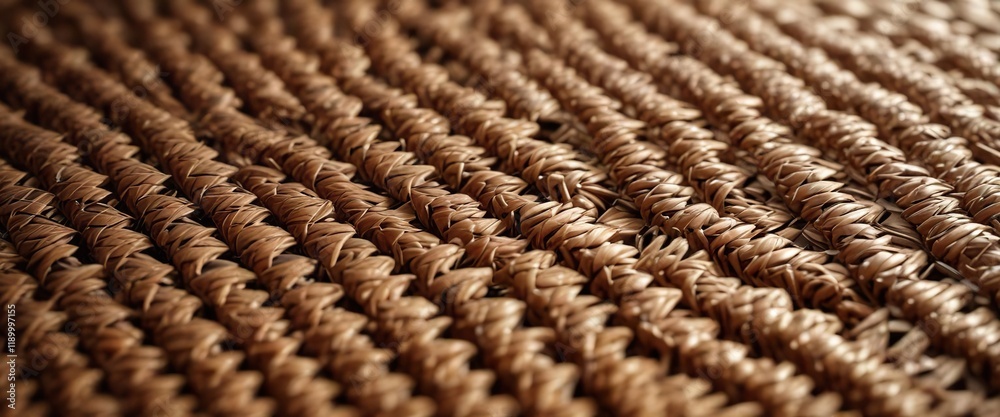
x=500 y=208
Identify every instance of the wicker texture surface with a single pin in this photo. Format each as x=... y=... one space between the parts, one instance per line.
x=501 y=207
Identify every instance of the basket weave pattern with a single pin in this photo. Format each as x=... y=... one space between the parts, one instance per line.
x=498 y=208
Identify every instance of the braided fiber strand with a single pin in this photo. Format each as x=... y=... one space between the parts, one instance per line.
x=141 y=188
x=266 y=345
x=260 y=89
x=492 y=71
x=311 y=301
x=557 y=171
x=613 y=173
x=657 y=115
x=497 y=76
x=929 y=145
x=958 y=50
x=816 y=201
x=525 y=261
x=444 y=287
x=259 y=329
x=921 y=306
x=507 y=347
x=816 y=281
x=521 y=264
x=873 y=60
x=229 y=207
x=105 y=42
x=708 y=294
x=740 y=119
x=76 y=287
x=712 y=89
x=354 y=139
x=855 y=130
x=48 y=337
x=22 y=290
x=404 y=194
x=822 y=324
x=910 y=35
x=456 y=275
x=896 y=376
x=137 y=275
x=529 y=262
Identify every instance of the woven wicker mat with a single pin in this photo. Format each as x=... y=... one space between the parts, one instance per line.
x=496 y=208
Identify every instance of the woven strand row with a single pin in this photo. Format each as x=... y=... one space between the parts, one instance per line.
x=922 y=306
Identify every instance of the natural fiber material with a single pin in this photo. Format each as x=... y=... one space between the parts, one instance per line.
x=498 y=208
